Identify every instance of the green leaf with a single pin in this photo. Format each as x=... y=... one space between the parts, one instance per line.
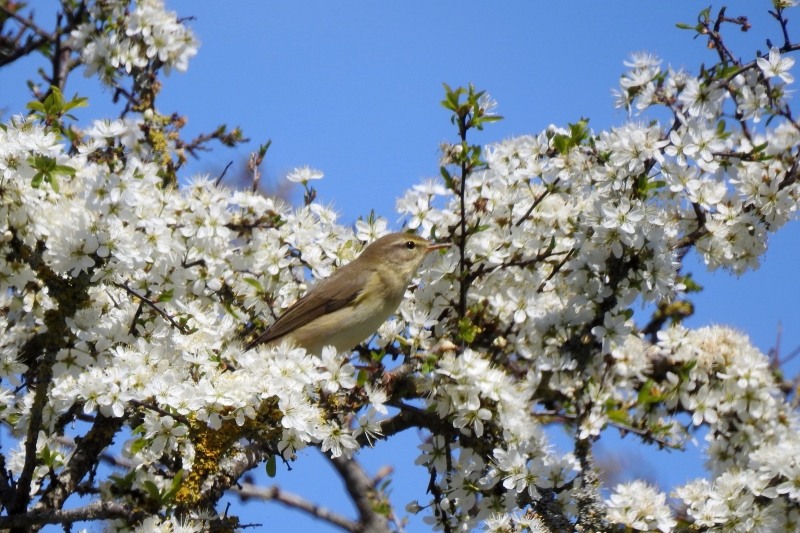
x=641 y=183
x=36 y=182
x=46 y=456
x=76 y=102
x=448 y=179
x=728 y=71
x=690 y=284
x=174 y=487
x=124 y=482
x=152 y=489
x=41 y=162
x=36 y=105
x=262 y=150
x=561 y=143
x=644 y=393
x=467 y=330
x=64 y=170
x=53 y=181
x=683 y=26
x=579 y=131
x=54 y=103
x=138 y=445
x=166 y=295
x=254 y=283
x=618 y=415
x=361 y=379
x=451 y=100
x=272 y=466
x=428 y=365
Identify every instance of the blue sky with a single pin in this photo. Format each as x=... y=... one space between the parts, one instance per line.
x=353 y=89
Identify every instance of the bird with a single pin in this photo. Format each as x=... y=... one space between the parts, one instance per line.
x=350 y=305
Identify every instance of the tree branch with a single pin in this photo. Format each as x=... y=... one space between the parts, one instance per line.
x=230 y=470
x=93 y=511
x=754 y=63
x=274 y=493
x=151 y=304
x=44 y=377
x=402 y=421
x=362 y=492
x=162 y=412
x=28 y=23
x=536 y=202
x=87 y=450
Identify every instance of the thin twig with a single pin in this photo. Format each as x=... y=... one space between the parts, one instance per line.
x=535 y=203
x=783 y=22
x=160 y=411
x=28 y=23
x=219 y=179
x=555 y=270
x=136 y=315
x=619 y=425
x=152 y=305
x=754 y=63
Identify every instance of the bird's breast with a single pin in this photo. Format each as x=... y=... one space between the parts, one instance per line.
x=346 y=328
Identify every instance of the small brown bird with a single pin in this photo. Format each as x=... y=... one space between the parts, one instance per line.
x=350 y=305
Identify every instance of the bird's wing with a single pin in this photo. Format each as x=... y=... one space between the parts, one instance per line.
x=319 y=301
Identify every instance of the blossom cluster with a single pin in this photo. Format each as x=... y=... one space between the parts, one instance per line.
x=125 y=301
x=128 y=38
x=165 y=282
x=568 y=230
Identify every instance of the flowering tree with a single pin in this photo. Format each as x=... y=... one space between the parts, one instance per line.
x=126 y=300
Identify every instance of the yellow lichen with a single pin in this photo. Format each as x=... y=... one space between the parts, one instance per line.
x=213 y=445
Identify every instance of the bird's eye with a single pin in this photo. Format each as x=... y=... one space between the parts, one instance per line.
x=410 y=245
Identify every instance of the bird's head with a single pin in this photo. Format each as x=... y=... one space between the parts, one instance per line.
x=403 y=252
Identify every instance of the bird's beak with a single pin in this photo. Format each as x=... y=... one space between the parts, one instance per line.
x=433 y=247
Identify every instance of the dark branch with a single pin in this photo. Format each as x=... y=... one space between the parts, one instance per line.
x=150 y=303
x=536 y=202
x=162 y=412
x=99 y=437
x=360 y=488
x=93 y=511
